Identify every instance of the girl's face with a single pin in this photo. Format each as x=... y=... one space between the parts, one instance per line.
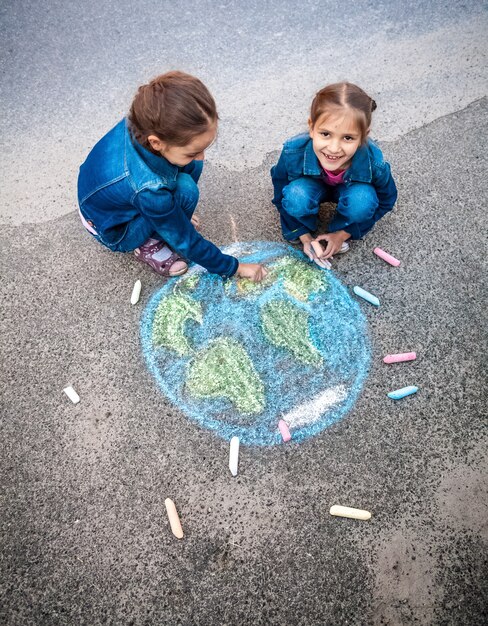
x=182 y=155
x=335 y=140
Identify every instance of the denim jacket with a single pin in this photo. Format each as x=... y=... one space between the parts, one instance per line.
x=120 y=179
x=298 y=159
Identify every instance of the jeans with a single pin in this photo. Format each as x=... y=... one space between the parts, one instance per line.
x=139 y=229
x=356 y=207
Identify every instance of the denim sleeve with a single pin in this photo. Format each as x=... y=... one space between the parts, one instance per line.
x=385 y=190
x=174 y=227
x=194 y=168
x=386 y=193
x=279 y=176
x=290 y=226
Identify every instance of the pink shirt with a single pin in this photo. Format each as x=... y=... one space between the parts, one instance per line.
x=333 y=178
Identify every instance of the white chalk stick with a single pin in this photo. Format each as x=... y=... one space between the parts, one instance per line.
x=234 y=455
x=72 y=395
x=136 y=292
x=346 y=511
x=174 y=518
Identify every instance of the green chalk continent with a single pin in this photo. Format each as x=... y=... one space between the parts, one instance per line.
x=170 y=319
x=286 y=326
x=245 y=286
x=224 y=370
x=188 y=283
x=299 y=278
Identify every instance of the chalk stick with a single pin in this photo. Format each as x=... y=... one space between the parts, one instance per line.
x=284 y=430
x=399 y=358
x=316 y=249
x=136 y=292
x=386 y=257
x=234 y=455
x=346 y=511
x=174 y=519
x=72 y=395
x=398 y=394
x=362 y=293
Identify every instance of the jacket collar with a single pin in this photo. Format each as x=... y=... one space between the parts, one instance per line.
x=157 y=164
x=360 y=169
x=311 y=165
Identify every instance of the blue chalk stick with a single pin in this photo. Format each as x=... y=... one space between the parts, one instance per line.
x=362 y=293
x=398 y=394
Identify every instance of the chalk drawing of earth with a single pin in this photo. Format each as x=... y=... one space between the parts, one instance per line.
x=236 y=357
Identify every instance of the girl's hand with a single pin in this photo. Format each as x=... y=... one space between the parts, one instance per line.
x=195 y=221
x=307 y=248
x=253 y=271
x=313 y=249
x=334 y=243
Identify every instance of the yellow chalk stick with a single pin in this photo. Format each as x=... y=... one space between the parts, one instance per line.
x=345 y=511
x=174 y=519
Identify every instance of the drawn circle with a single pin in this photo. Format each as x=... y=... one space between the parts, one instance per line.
x=236 y=357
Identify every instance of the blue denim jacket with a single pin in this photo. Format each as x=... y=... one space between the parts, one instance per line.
x=298 y=159
x=120 y=179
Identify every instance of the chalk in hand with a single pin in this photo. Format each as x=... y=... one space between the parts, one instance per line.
x=174 y=519
x=346 y=511
x=362 y=293
x=386 y=257
x=72 y=395
x=234 y=455
x=284 y=430
x=316 y=252
x=136 y=292
x=399 y=358
x=398 y=394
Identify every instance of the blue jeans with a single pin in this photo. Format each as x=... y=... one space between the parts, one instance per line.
x=356 y=206
x=139 y=229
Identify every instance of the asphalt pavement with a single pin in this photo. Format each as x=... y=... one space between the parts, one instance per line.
x=83 y=530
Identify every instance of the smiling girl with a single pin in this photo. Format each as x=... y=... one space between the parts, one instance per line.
x=336 y=162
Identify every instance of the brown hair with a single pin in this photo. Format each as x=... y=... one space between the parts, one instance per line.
x=333 y=98
x=174 y=106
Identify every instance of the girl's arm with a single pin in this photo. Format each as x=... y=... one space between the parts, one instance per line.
x=387 y=194
x=385 y=190
x=290 y=227
x=194 y=168
x=279 y=176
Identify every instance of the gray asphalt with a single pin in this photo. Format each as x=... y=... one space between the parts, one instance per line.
x=83 y=530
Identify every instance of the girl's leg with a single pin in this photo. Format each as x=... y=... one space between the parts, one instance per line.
x=186 y=193
x=139 y=230
x=300 y=206
x=356 y=205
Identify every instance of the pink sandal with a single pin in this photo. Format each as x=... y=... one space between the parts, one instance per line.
x=160 y=258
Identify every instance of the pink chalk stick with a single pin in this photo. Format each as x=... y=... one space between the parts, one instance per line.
x=398 y=358
x=284 y=430
x=386 y=257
